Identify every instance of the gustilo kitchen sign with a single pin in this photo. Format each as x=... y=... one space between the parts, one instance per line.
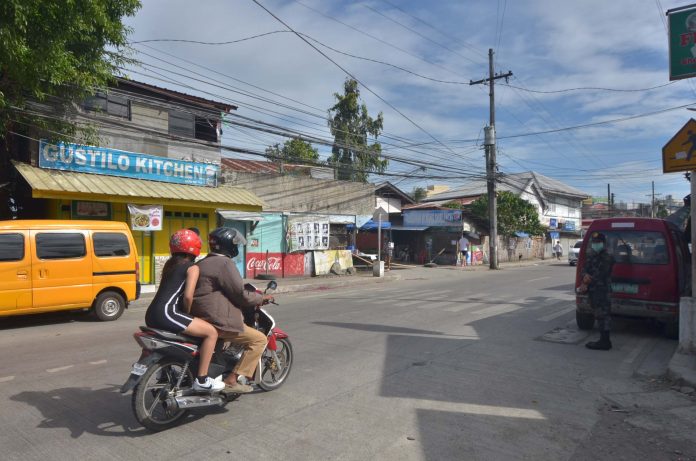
x=114 y=162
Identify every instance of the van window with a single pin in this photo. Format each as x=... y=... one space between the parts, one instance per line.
x=637 y=247
x=110 y=244
x=60 y=245
x=11 y=247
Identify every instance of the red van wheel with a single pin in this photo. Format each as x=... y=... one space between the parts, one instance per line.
x=109 y=306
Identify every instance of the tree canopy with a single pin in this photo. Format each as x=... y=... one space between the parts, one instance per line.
x=355 y=152
x=293 y=150
x=514 y=214
x=418 y=194
x=59 y=51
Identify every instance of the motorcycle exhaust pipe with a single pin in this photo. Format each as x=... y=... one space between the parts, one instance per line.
x=194 y=401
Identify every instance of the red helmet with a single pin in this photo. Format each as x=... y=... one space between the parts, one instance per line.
x=185 y=241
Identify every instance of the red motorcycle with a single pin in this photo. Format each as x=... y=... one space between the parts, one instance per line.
x=162 y=379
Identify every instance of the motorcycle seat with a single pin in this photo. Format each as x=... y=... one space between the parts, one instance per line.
x=171 y=336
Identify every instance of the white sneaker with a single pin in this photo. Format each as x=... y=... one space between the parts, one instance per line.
x=210 y=385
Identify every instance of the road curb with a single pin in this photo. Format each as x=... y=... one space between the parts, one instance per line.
x=313 y=284
x=682 y=369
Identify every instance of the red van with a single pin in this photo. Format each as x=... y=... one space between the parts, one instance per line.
x=652 y=270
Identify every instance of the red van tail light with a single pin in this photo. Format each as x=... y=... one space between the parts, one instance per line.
x=137 y=271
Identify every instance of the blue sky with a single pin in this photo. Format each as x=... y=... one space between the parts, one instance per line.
x=551 y=47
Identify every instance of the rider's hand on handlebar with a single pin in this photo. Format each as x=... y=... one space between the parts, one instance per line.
x=267 y=299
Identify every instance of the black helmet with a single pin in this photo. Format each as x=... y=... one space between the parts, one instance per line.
x=224 y=240
x=598 y=237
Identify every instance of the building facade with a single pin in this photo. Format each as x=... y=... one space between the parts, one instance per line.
x=157 y=167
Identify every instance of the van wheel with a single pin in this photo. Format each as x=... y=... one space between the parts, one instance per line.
x=584 y=321
x=671 y=329
x=109 y=306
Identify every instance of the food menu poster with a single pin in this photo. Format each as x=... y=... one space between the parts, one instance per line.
x=146 y=217
x=310 y=235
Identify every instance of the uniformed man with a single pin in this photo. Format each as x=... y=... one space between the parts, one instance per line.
x=597 y=277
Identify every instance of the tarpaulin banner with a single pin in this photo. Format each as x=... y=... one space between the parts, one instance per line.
x=146 y=217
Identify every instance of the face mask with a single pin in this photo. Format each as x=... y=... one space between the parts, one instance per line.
x=597 y=246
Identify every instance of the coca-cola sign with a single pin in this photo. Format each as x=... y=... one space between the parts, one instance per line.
x=257 y=263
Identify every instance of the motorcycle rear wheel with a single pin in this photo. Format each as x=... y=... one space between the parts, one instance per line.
x=149 y=400
x=273 y=373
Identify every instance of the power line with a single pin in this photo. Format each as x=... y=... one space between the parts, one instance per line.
x=354 y=78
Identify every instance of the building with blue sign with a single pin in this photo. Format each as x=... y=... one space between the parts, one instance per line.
x=159 y=158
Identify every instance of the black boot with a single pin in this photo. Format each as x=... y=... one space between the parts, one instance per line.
x=604 y=343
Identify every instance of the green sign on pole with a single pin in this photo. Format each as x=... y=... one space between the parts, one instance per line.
x=682 y=42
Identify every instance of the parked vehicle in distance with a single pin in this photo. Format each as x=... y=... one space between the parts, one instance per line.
x=652 y=270
x=574 y=252
x=54 y=265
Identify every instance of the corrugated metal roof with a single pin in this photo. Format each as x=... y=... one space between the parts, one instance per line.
x=61 y=184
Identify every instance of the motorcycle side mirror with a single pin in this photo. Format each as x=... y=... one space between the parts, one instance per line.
x=272 y=285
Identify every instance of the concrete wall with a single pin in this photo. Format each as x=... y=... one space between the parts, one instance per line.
x=152 y=117
x=302 y=194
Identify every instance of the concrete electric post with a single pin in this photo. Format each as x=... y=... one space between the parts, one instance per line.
x=491 y=166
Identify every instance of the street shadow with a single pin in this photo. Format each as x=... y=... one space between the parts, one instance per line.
x=50 y=318
x=378 y=328
x=568 y=287
x=104 y=412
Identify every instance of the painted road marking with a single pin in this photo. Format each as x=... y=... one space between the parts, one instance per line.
x=98 y=362
x=540 y=278
x=635 y=352
x=6 y=379
x=555 y=315
x=53 y=370
x=496 y=310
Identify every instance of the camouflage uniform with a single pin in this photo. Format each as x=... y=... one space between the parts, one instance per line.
x=599 y=266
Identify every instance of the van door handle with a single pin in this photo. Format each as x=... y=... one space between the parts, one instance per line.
x=22 y=275
x=43 y=273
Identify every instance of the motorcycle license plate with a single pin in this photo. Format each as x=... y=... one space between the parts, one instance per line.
x=138 y=369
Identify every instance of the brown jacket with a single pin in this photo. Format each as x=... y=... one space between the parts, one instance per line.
x=220 y=294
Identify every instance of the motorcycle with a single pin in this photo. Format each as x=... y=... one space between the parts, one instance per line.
x=162 y=379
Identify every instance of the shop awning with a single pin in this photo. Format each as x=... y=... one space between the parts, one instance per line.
x=409 y=228
x=370 y=225
x=69 y=185
x=240 y=215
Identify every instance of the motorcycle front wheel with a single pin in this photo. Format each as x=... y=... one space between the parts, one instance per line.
x=152 y=405
x=274 y=366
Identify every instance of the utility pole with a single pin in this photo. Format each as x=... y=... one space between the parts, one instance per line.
x=652 y=203
x=491 y=166
x=608 y=201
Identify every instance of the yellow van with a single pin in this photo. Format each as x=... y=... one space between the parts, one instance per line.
x=52 y=265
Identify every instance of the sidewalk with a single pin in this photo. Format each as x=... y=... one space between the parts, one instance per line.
x=682 y=369
x=327 y=282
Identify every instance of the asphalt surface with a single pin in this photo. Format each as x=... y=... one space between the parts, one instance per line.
x=439 y=365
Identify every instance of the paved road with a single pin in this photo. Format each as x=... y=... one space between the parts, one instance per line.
x=441 y=365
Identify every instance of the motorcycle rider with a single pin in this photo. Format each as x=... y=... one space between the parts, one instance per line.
x=220 y=298
x=168 y=309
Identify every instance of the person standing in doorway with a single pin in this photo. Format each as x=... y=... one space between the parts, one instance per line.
x=558 y=249
x=464 y=249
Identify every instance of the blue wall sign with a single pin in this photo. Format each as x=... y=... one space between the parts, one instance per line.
x=553 y=223
x=114 y=162
x=569 y=225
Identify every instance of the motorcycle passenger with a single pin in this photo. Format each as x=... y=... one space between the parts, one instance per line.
x=168 y=309
x=220 y=298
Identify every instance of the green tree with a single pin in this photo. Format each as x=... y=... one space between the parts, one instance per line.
x=59 y=52
x=418 y=194
x=356 y=152
x=514 y=214
x=293 y=151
